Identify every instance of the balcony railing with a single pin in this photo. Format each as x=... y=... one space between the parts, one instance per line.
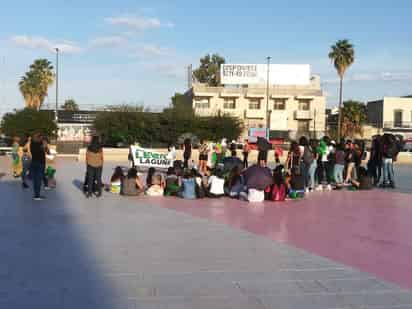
x=397 y=125
x=303 y=115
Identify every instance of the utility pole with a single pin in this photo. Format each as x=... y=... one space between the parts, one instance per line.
x=267 y=99
x=56 y=117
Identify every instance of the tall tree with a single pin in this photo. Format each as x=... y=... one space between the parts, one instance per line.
x=342 y=55
x=35 y=83
x=70 y=105
x=209 y=70
x=353 y=118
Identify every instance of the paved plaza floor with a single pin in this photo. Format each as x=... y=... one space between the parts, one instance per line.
x=335 y=250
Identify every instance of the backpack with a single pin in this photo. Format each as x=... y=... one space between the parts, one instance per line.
x=390 y=150
x=307 y=156
x=278 y=193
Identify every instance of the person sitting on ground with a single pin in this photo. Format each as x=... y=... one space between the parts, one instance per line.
x=235 y=184
x=172 y=187
x=297 y=185
x=278 y=189
x=116 y=180
x=150 y=174
x=188 y=181
x=216 y=184
x=132 y=185
x=157 y=186
x=364 y=181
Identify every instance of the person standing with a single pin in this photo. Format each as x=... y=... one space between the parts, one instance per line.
x=94 y=163
x=203 y=156
x=246 y=151
x=187 y=152
x=16 y=154
x=38 y=164
x=389 y=154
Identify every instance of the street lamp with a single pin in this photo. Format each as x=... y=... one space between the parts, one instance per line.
x=267 y=98
x=56 y=117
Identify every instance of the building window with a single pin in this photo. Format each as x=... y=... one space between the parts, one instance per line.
x=254 y=103
x=304 y=105
x=229 y=103
x=279 y=104
x=397 y=118
x=202 y=103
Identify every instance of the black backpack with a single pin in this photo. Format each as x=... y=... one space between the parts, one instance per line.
x=307 y=156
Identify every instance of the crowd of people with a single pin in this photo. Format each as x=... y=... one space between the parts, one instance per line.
x=310 y=165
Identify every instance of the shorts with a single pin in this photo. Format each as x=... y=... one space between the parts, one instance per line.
x=263 y=156
x=203 y=157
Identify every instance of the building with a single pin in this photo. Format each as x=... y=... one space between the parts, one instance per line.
x=391 y=114
x=294 y=109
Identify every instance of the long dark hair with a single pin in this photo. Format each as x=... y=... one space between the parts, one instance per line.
x=278 y=177
x=132 y=173
x=150 y=174
x=118 y=174
x=303 y=141
x=234 y=176
x=95 y=145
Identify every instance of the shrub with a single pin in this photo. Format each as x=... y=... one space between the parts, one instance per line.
x=27 y=121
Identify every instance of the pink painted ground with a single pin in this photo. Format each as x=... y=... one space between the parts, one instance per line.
x=370 y=231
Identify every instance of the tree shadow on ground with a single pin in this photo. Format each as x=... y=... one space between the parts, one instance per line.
x=46 y=259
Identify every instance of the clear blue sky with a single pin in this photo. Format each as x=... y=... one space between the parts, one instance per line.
x=136 y=51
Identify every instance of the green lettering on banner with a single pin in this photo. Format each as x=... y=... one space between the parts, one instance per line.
x=146 y=154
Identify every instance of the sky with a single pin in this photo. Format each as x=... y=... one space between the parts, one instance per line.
x=129 y=51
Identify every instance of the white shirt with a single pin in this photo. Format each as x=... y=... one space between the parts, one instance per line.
x=216 y=185
x=256 y=196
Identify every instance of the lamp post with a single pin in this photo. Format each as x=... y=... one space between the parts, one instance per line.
x=267 y=98
x=56 y=117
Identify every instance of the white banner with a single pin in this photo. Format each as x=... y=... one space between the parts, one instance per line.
x=150 y=158
x=279 y=74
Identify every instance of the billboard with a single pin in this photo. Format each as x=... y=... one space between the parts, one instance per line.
x=279 y=74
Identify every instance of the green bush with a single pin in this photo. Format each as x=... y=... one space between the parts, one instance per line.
x=163 y=128
x=27 y=121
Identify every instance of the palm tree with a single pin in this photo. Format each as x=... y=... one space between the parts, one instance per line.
x=342 y=55
x=35 y=83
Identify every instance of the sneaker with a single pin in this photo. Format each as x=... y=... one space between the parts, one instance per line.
x=307 y=190
x=25 y=185
x=39 y=198
x=47 y=188
x=319 y=188
x=329 y=187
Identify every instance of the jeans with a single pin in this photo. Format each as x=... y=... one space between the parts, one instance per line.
x=338 y=173
x=311 y=174
x=322 y=173
x=24 y=174
x=245 y=158
x=305 y=171
x=388 y=175
x=37 y=174
x=94 y=175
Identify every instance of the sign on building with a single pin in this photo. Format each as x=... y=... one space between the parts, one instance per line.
x=252 y=74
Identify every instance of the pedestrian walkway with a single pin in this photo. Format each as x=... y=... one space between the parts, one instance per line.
x=115 y=252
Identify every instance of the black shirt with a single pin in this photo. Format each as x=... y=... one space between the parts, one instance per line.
x=37 y=152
